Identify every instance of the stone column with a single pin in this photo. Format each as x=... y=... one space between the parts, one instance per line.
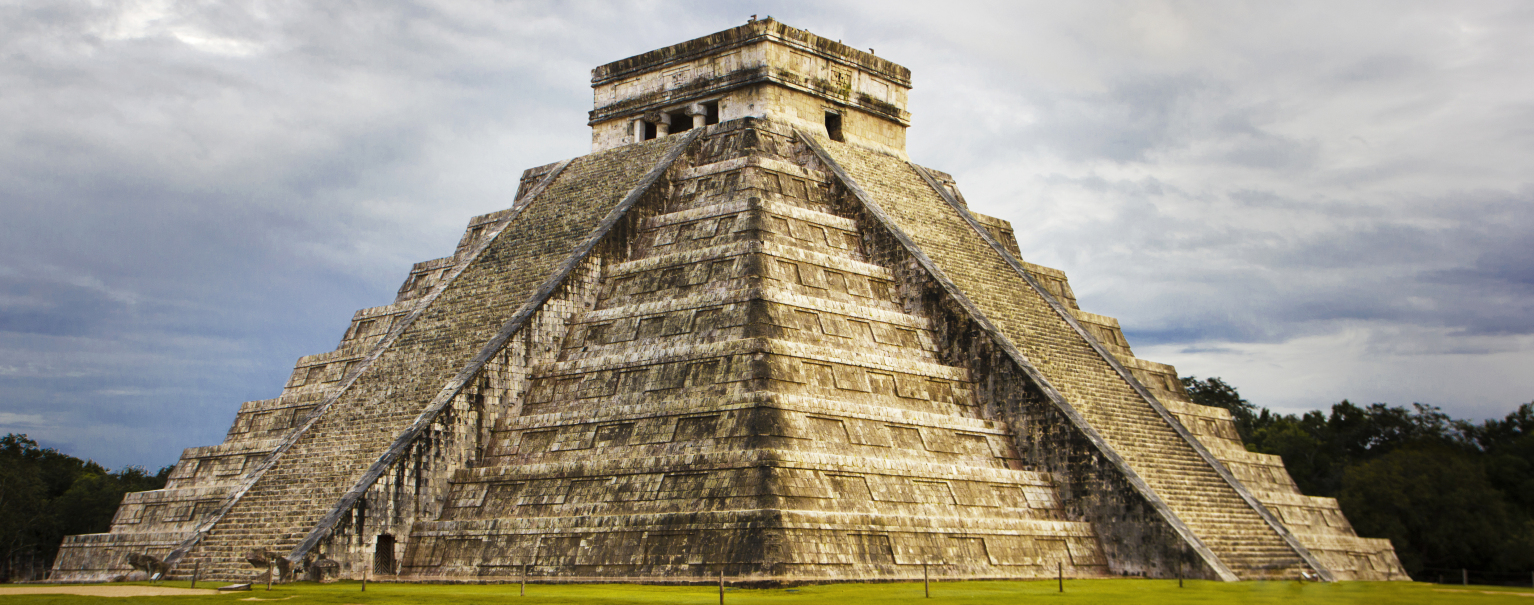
x=662 y=123
x=699 y=114
x=638 y=128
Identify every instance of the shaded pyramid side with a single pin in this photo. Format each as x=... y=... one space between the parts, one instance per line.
x=1316 y=522
x=1230 y=528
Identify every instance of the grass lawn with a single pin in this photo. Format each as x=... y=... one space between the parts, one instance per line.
x=1076 y=591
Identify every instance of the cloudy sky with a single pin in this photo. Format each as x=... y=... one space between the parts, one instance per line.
x=1315 y=201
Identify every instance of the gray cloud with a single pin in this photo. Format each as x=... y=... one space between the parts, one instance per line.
x=195 y=195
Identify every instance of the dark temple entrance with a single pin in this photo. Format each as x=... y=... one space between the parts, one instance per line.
x=383 y=556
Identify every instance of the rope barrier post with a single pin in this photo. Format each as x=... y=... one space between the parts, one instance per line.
x=926 y=586
x=721 y=585
x=522 y=592
x=364 y=579
x=196 y=567
x=269 y=576
x=1179 y=573
x=1464 y=576
x=1060 y=574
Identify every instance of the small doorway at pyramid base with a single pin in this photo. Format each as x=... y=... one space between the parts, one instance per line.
x=384 y=563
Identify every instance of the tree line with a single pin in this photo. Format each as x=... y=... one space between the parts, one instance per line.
x=46 y=495
x=1449 y=494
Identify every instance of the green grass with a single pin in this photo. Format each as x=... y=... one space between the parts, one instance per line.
x=1076 y=591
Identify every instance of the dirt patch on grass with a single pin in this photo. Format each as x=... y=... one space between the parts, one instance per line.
x=106 y=591
x=1497 y=592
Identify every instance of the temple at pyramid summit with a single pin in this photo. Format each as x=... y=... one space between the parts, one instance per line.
x=745 y=335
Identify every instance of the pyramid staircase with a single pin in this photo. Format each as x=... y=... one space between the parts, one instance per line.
x=748 y=395
x=1096 y=391
x=421 y=365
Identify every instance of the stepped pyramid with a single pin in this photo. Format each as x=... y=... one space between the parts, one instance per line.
x=745 y=335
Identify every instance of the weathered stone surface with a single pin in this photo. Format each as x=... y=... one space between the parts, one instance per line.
x=760 y=70
x=1235 y=533
x=749 y=395
x=743 y=349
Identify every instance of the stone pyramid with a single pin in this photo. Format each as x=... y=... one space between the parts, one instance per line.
x=745 y=335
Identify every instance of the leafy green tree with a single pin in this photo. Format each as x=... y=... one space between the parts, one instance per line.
x=1438 y=508
x=23 y=512
x=1378 y=428
x=1508 y=445
x=46 y=495
x=1448 y=493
